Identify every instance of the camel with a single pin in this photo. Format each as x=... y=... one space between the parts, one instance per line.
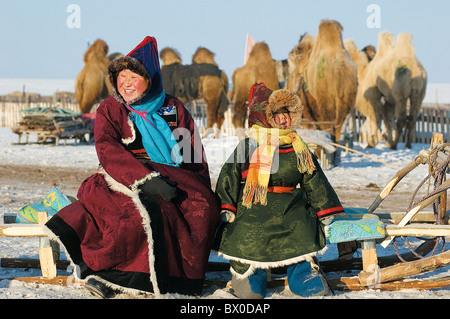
x=298 y=60
x=325 y=77
x=200 y=80
x=373 y=115
x=260 y=67
x=92 y=84
x=392 y=79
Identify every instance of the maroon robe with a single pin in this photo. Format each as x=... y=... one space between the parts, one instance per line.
x=137 y=241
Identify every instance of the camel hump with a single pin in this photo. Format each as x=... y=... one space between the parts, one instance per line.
x=329 y=35
x=385 y=43
x=169 y=56
x=203 y=55
x=350 y=46
x=404 y=45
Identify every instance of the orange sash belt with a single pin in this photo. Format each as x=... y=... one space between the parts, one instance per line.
x=280 y=189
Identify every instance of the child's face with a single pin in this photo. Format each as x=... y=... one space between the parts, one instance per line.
x=282 y=118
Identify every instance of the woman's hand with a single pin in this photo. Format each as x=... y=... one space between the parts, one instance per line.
x=161 y=187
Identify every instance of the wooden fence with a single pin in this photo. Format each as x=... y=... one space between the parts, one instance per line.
x=433 y=118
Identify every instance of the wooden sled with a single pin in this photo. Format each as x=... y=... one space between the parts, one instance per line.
x=414 y=223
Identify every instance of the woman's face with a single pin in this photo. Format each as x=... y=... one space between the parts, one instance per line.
x=282 y=118
x=130 y=85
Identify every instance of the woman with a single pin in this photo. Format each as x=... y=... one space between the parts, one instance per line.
x=274 y=196
x=145 y=221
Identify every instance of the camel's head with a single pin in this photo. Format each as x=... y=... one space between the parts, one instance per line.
x=299 y=55
x=96 y=51
x=169 y=56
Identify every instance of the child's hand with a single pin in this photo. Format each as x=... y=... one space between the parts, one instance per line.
x=327 y=221
x=227 y=216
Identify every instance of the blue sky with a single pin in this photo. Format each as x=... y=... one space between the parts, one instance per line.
x=36 y=41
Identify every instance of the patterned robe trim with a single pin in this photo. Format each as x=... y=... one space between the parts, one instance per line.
x=229 y=208
x=330 y=212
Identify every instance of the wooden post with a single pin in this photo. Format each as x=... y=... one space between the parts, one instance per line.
x=438 y=139
x=369 y=254
x=47 y=257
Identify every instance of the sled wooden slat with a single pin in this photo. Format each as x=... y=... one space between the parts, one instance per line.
x=420 y=217
x=31 y=230
x=418 y=230
x=58 y=280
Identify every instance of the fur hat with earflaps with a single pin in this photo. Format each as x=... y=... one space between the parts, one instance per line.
x=264 y=102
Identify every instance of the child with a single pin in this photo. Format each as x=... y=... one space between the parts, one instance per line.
x=275 y=198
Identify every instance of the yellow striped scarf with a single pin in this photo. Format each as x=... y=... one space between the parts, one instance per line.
x=268 y=140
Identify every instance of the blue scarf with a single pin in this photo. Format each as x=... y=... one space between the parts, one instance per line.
x=157 y=137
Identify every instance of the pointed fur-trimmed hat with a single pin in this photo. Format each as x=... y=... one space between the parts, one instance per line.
x=264 y=102
x=142 y=60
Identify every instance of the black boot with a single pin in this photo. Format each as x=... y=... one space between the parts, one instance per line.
x=99 y=289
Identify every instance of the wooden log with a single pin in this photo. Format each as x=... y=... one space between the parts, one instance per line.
x=402 y=270
x=352 y=283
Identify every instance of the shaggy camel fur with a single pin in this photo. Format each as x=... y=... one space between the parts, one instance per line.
x=369 y=99
x=373 y=116
x=391 y=79
x=211 y=88
x=298 y=60
x=92 y=84
x=325 y=77
x=260 y=67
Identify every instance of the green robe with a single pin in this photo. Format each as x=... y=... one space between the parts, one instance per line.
x=285 y=231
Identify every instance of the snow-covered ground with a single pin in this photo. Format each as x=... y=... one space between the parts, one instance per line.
x=354 y=169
